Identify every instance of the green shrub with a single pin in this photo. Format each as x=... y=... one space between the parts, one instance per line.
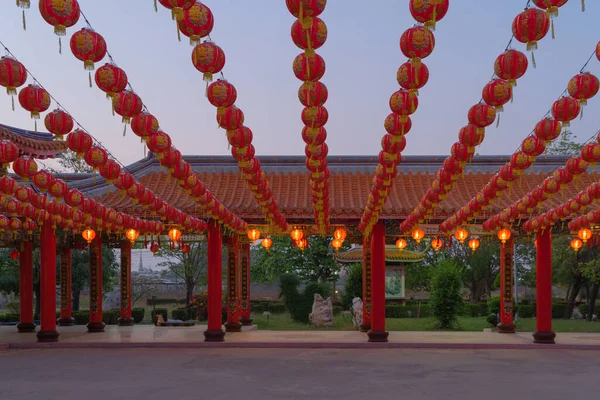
x=396 y=311
x=584 y=308
x=277 y=308
x=494 y=304
x=138 y=314
x=353 y=286
x=111 y=317
x=180 y=313
x=337 y=310
x=559 y=309
x=162 y=311
x=446 y=284
x=81 y=317
x=475 y=310
x=422 y=310
x=300 y=304
x=413 y=311
x=492 y=319
x=149 y=302
x=526 y=311
x=10 y=317
x=257 y=308
x=13 y=307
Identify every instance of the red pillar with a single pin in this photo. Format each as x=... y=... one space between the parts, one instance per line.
x=366 y=284
x=377 y=333
x=214 y=332
x=543 y=270
x=96 y=324
x=233 y=323
x=66 y=305
x=48 y=332
x=125 y=304
x=245 y=284
x=507 y=252
x=26 y=323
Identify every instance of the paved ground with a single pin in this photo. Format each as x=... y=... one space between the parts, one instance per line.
x=299 y=374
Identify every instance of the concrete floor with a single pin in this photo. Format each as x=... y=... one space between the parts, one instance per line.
x=297 y=374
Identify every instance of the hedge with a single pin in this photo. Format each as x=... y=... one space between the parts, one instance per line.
x=526 y=310
x=111 y=317
x=162 y=311
x=9 y=317
x=475 y=310
x=337 y=309
x=398 y=311
x=138 y=314
x=82 y=317
x=149 y=302
x=180 y=313
x=559 y=309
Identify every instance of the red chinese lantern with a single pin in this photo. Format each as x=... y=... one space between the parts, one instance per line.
x=243 y=153
x=397 y=124
x=312 y=94
x=111 y=79
x=530 y=26
x=481 y=115
x=158 y=143
x=583 y=87
x=510 y=66
x=548 y=129
x=460 y=152
x=34 y=99
x=565 y=110
x=43 y=180
x=563 y=177
x=9 y=152
x=221 y=94
x=177 y=7
x=412 y=76
x=551 y=7
x=58 y=189
x=520 y=161
x=25 y=167
x=88 y=46
x=60 y=14
x=417 y=43
x=209 y=59
x=127 y=104
x=241 y=137
x=533 y=146
x=471 y=136
x=496 y=93
x=111 y=170
x=309 y=67
x=79 y=142
x=598 y=51
x=314 y=117
x=309 y=38
x=428 y=12
x=12 y=75
x=15 y=254
x=74 y=198
x=306 y=10
x=231 y=118
x=96 y=157
x=404 y=102
x=576 y=165
x=393 y=144
x=591 y=153
x=58 y=123
x=197 y=22
x=124 y=181
x=29 y=226
x=8 y=186
x=314 y=135
x=144 y=124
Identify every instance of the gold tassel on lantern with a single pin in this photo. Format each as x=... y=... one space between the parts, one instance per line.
x=90 y=78
x=155 y=6
x=582 y=5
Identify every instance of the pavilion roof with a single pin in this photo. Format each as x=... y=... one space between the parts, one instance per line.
x=34 y=144
x=392 y=254
x=349 y=185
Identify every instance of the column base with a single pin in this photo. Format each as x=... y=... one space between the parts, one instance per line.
x=506 y=328
x=246 y=321
x=48 y=336
x=126 y=321
x=26 y=327
x=378 y=336
x=365 y=327
x=214 y=335
x=233 y=326
x=67 y=321
x=544 y=337
x=95 y=326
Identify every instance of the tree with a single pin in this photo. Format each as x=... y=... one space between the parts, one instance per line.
x=9 y=273
x=565 y=145
x=69 y=162
x=353 y=286
x=191 y=267
x=298 y=303
x=446 y=284
x=591 y=270
x=315 y=263
x=80 y=272
x=142 y=286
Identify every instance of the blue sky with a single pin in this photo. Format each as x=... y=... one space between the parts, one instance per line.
x=362 y=55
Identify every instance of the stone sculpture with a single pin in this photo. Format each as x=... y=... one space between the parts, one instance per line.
x=357 y=312
x=322 y=312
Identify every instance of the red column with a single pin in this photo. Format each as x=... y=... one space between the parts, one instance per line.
x=66 y=314
x=366 y=284
x=233 y=323
x=543 y=269
x=245 y=284
x=96 y=324
x=377 y=333
x=507 y=252
x=47 y=331
x=214 y=332
x=125 y=304
x=26 y=288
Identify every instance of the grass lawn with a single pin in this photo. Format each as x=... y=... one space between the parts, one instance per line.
x=283 y=322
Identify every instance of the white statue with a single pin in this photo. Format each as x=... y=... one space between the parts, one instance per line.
x=322 y=312
x=357 y=312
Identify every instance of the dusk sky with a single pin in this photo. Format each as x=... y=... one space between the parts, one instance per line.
x=362 y=55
